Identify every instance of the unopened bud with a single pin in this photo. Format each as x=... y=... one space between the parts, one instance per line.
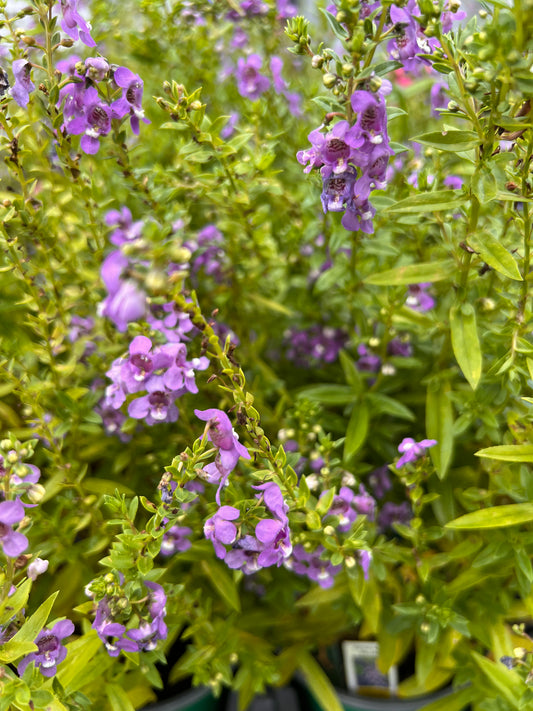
x=30 y=41
x=67 y=42
x=12 y=457
x=195 y=105
x=317 y=61
x=37 y=567
x=329 y=80
x=156 y=281
x=36 y=493
x=329 y=531
x=347 y=70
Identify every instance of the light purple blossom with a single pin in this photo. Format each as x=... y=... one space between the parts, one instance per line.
x=221 y=530
x=13 y=543
x=313 y=566
x=51 y=651
x=418 y=299
x=23 y=85
x=158 y=405
x=175 y=540
x=97 y=68
x=74 y=24
x=37 y=567
x=222 y=435
x=250 y=83
x=125 y=301
x=126 y=231
x=411 y=450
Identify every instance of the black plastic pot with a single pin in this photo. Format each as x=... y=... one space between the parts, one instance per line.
x=353 y=702
x=200 y=699
x=285 y=699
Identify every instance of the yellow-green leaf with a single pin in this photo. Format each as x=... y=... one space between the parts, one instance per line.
x=495 y=517
x=318 y=683
x=495 y=255
x=439 y=425
x=357 y=430
x=465 y=342
x=222 y=582
x=508 y=452
x=413 y=274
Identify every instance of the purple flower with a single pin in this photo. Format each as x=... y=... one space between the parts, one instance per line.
x=453 y=181
x=93 y=121
x=50 y=651
x=438 y=97
x=276 y=540
x=68 y=65
x=156 y=406
x=126 y=230
x=131 y=100
x=411 y=450
x=74 y=24
x=365 y=557
x=313 y=566
x=140 y=365
x=12 y=542
x=97 y=68
x=286 y=9
x=276 y=65
x=223 y=436
x=394 y=513
x=170 y=321
x=418 y=299
x=125 y=301
x=380 y=481
x=181 y=372
x=250 y=83
x=273 y=499
x=220 y=530
x=20 y=90
x=175 y=540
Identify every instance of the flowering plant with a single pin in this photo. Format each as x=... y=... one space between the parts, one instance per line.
x=230 y=414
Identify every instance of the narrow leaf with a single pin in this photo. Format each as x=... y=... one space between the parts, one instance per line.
x=495 y=517
x=508 y=453
x=329 y=394
x=465 y=342
x=449 y=140
x=413 y=274
x=118 y=698
x=439 y=425
x=318 y=683
x=431 y=202
x=34 y=624
x=338 y=30
x=357 y=430
x=223 y=583
x=495 y=255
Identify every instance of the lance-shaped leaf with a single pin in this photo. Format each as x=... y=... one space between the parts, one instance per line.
x=449 y=140
x=357 y=430
x=433 y=201
x=495 y=255
x=465 y=342
x=318 y=683
x=508 y=453
x=222 y=582
x=495 y=517
x=439 y=425
x=413 y=274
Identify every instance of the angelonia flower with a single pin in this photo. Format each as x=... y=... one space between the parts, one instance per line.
x=222 y=435
x=73 y=23
x=131 y=632
x=313 y=566
x=250 y=82
x=418 y=298
x=314 y=345
x=126 y=230
x=12 y=542
x=411 y=450
x=158 y=374
x=208 y=255
x=392 y=513
x=50 y=650
x=23 y=85
x=347 y=506
x=85 y=111
x=352 y=160
x=175 y=540
x=125 y=301
x=37 y=567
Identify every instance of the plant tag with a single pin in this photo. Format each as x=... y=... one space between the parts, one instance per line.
x=361 y=672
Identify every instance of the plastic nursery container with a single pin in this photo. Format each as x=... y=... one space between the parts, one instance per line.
x=200 y=699
x=363 y=703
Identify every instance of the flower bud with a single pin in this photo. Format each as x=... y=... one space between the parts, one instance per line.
x=195 y=105
x=5 y=443
x=329 y=80
x=12 y=457
x=36 y=493
x=37 y=567
x=67 y=42
x=350 y=562
x=317 y=61
x=347 y=70
x=30 y=41
x=375 y=83
x=329 y=531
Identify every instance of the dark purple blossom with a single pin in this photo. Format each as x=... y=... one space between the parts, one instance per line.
x=315 y=345
x=394 y=513
x=418 y=298
x=411 y=450
x=158 y=405
x=131 y=99
x=50 y=650
x=380 y=481
x=221 y=433
x=175 y=540
x=312 y=565
x=23 y=85
x=93 y=121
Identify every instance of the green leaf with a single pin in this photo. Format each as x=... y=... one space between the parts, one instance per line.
x=329 y=394
x=15 y=602
x=22 y=642
x=453 y=141
x=79 y=666
x=465 y=342
x=495 y=517
x=439 y=425
x=357 y=430
x=118 y=698
x=318 y=683
x=351 y=373
x=337 y=29
x=508 y=453
x=413 y=274
x=105 y=486
x=506 y=681
x=12 y=650
x=431 y=202
x=495 y=255
x=222 y=582
x=384 y=405
x=455 y=701
x=483 y=185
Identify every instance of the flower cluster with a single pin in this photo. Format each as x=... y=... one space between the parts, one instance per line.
x=86 y=113
x=269 y=545
x=159 y=374
x=226 y=441
x=122 y=630
x=73 y=24
x=352 y=160
x=314 y=345
x=347 y=506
